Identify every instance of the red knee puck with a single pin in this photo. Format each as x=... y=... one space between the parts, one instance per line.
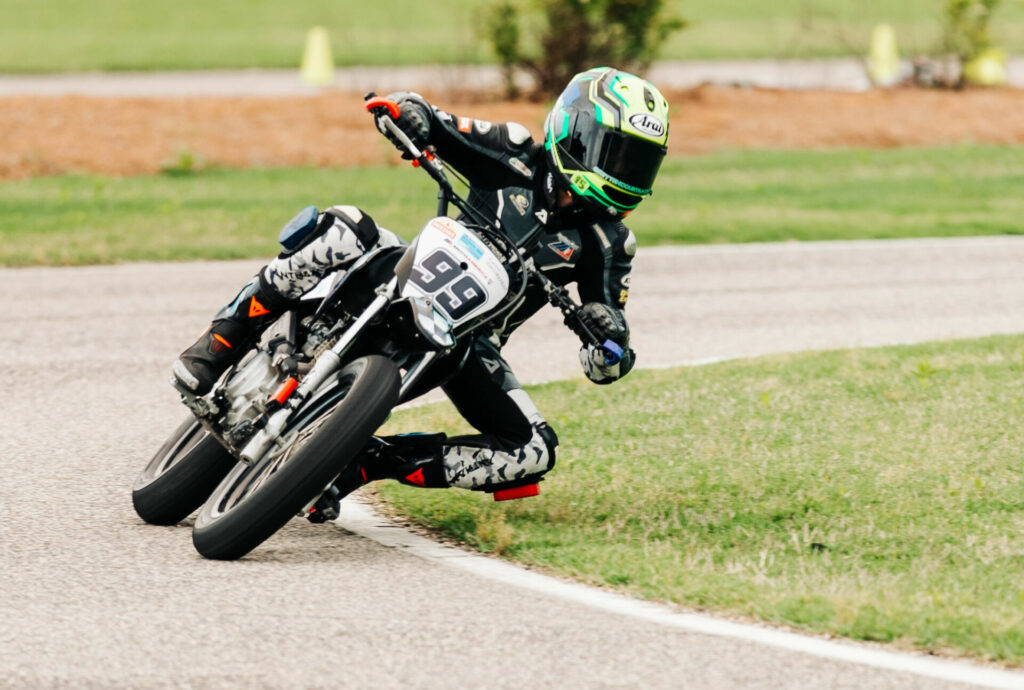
x=517 y=492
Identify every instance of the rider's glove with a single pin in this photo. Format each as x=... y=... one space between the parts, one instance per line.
x=413 y=119
x=606 y=324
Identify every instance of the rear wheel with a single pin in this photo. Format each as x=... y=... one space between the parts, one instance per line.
x=253 y=502
x=182 y=474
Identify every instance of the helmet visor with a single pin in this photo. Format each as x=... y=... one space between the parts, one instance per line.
x=626 y=161
x=630 y=160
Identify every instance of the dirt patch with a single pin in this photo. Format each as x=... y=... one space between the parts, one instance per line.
x=125 y=136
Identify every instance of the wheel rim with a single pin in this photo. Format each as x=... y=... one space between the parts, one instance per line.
x=245 y=480
x=184 y=445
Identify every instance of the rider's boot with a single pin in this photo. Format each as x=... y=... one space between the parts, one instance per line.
x=233 y=330
x=413 y=459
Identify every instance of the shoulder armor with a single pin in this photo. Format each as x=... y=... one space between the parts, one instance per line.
x=629 y=244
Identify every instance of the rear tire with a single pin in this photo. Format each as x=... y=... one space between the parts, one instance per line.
x=253 y=502
x=182 y=474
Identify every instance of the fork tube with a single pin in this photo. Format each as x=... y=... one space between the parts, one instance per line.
x=326 y=364
x=414 y=372
x=328 y=361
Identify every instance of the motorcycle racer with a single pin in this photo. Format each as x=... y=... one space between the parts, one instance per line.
x=604 y=141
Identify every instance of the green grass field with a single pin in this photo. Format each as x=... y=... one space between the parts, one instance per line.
x=725 y=197
x=68 y=35
x=874 y=494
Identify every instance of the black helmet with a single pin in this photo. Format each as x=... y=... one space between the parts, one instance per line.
x=606 y=137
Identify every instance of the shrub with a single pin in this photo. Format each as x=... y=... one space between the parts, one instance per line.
x=966 y=30
x=575 y=35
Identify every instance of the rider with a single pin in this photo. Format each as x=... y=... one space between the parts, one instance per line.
x=604 y=141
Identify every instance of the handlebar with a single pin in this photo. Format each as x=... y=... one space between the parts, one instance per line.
x=386 y=112
x=559 y=297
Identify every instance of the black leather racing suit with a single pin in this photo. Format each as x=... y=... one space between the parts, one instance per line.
x=509 y=177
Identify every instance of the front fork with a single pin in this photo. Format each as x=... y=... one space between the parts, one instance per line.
x=326 y=364
x=293 y=396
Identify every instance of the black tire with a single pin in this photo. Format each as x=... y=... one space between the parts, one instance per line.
x=253 y=502
x=182 y=474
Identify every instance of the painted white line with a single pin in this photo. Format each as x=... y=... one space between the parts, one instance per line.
x=359 y=518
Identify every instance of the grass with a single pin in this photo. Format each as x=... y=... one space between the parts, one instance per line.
x=69 y=35
x=181 y=216
x=769 y=196
x=819 y=28
x=874 y=494
x=725 y=197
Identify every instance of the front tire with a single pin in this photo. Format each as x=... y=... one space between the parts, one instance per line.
x=182 y=474
x=253 y=502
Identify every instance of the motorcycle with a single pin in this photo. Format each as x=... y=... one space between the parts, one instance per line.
x=280 y=427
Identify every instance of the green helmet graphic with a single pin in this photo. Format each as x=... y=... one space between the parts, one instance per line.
x=606 y=137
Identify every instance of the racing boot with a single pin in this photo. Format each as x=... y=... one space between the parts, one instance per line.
x=413 y=459
x=234 y=329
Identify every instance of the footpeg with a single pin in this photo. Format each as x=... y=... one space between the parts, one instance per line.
x=183 y=379
x=201 y=407
x=326 y=508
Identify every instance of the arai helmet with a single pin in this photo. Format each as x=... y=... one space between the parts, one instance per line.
x=606 y=137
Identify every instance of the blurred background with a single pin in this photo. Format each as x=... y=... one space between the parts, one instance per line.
x=69 y=35
x=177 y=118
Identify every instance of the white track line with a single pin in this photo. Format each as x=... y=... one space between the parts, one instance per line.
x=359 y=518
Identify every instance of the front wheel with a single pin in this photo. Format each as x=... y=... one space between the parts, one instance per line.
x=254 y=501
x=182 y=474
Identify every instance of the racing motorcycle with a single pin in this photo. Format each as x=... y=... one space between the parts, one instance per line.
x=279 y=428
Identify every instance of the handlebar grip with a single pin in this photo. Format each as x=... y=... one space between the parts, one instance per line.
x=379 y=102
x=612 y=352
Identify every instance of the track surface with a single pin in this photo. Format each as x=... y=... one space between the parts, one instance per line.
x=92 y=597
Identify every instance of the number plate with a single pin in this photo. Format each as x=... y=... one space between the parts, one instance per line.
x=456 y=271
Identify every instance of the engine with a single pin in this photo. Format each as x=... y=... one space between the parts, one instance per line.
x=247 y=392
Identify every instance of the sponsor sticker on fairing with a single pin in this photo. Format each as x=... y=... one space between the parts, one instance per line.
x=445 y=225
x=470 y=246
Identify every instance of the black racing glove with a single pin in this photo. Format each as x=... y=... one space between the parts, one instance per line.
x=413 y=119
x=605 y=323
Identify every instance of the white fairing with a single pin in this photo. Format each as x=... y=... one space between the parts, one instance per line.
x=453 y=269
x=321 y=289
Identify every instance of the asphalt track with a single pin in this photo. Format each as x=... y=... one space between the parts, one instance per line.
x=91 y=597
